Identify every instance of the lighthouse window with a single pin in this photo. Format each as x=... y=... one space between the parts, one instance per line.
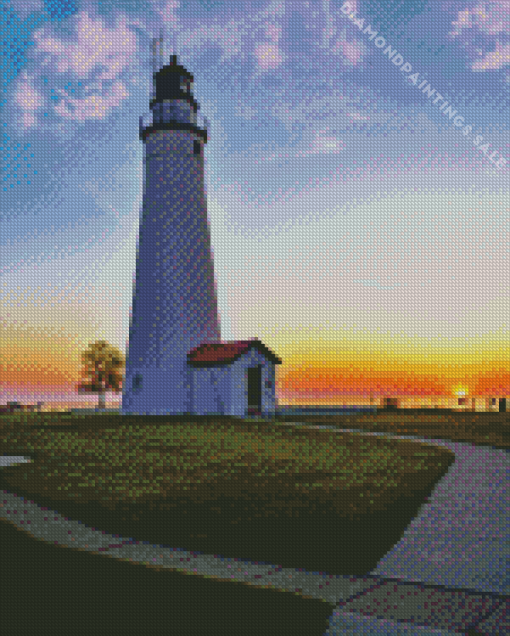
x=196 y=147
x=137 y=382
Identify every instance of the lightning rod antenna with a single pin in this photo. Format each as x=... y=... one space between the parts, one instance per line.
x=154 y=55
x=161 y=61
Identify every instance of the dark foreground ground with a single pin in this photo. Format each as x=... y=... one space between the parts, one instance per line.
x=48 y=588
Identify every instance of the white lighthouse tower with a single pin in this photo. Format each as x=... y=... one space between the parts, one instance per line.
x=174 y=300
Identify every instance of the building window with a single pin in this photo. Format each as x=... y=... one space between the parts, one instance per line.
x=137 y=382
x=462 y=401
x=196 y=147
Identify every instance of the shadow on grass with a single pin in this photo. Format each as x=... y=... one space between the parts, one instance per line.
x=234 y=517
x=50 y=589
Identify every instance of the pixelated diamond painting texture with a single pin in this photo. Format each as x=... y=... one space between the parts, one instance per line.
x=255 y=210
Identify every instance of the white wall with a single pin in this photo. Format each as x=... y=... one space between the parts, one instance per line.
x=174 y=299
x=223 y=390
x=163 y=391
x=211 y=390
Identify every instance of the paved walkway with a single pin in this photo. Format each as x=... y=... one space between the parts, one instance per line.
x=444 y=586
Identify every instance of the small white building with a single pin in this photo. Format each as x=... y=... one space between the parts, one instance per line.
x=233 y=378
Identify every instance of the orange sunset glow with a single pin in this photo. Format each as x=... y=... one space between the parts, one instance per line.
x=329 y=375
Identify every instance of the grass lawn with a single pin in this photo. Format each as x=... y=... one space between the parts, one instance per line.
x=315 y=499
x=478 y=428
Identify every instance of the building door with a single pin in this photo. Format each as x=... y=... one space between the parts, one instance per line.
x=255 y=391
x=502 y=405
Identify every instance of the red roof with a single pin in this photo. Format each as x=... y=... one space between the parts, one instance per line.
x=215 y=353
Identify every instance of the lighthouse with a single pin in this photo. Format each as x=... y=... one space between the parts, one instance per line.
x=174 y=305
x=176 y=363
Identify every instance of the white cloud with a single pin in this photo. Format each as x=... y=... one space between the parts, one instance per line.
x=493 y=59
x=269 y=56
x=167 y=12
x=323 y=144
x=28 y=100
x=492 y=18
x=327 y=110
x=96 y=52
x=95 y=45
x=273 y=31
x=92 y=106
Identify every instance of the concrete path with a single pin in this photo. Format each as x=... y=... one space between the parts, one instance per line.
x=448 y=573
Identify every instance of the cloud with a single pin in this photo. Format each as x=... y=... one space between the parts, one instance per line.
x=273 y=32
x=492 y=18
x=329 y=29
x=245 y=112
x=93 y=106
x=353 y=51
x=28 y=100
x=228 y=37
x=335 y=111
x=238 y=34
x=323 y=144
x=95 y=45
x=269 y=56
x=357 y=116
x=96 y=52
x=167 y=12
x=494 y=59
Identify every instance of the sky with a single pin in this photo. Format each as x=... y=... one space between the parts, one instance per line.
x=357 y=176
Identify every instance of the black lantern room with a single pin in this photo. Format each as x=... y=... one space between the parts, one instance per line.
x=174 y=82
x=173 y=106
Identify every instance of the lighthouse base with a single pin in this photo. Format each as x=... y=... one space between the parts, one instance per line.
x=158 y=391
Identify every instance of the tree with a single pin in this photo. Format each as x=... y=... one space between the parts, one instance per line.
x=102 y=370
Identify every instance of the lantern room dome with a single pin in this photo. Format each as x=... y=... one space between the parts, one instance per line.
x=173 y=81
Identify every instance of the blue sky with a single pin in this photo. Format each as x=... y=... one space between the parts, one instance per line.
x=357 y=231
